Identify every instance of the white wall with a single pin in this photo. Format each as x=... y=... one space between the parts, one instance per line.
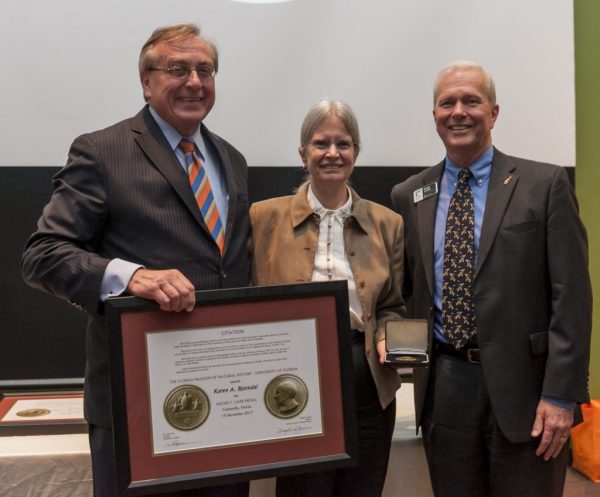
x=69 y=66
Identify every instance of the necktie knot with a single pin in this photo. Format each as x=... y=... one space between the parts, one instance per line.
x=464 y=176
x=187 y=145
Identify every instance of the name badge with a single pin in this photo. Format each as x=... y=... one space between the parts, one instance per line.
x=425 y=192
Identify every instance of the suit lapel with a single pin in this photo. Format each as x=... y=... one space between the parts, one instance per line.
x=503 y=180
x=158 y=151
x=425 y=210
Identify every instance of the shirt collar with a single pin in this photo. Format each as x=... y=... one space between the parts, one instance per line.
x=342 y=213
x=174 y=137
x=480 y=169
x=301 y=209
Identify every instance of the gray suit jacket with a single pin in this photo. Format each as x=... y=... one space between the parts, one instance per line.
x=532 y=289
x=123 y=194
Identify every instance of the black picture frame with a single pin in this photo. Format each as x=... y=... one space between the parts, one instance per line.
x=128 y=321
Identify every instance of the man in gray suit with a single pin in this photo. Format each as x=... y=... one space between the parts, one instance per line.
x=124 y=219
x=496 y=260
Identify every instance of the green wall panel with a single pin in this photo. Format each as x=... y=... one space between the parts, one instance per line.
x=587 y=95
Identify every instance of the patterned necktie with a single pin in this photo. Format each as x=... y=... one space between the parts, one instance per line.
x=202 y=191
x=458 y=309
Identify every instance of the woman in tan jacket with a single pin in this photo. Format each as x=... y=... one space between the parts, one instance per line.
x=324 y=232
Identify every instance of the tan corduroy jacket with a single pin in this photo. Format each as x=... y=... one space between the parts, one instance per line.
x=285 y=232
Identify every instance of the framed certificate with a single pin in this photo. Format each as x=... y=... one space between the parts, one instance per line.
x=253 y=383
x=26 y=413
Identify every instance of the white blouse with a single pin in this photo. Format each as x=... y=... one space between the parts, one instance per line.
x=331 y=262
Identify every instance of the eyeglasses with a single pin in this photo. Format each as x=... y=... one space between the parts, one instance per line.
x=183 y=72
x=342 y=145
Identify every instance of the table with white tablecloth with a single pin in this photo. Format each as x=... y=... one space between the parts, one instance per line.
x=45 y=466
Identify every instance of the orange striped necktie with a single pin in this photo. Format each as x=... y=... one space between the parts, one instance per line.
x=202 y=191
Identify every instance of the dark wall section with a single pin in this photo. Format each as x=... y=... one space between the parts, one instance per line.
x=373 y=183
x=43 y=337
x=40 y=336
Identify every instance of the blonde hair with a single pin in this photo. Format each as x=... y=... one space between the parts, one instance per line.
x=465 y=65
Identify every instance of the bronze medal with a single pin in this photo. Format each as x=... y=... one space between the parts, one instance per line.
x=33 y=413
x=186 y=407
x=286 y=396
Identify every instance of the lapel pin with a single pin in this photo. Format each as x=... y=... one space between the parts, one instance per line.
x=507 y=180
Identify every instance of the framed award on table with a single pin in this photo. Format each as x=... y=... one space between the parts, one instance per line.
x=253 y=383
x=41 y=413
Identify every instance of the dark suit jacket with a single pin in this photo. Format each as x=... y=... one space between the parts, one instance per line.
x=532 y=288
x=123 y=194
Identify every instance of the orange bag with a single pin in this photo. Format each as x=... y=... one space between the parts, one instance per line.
x=585 y=442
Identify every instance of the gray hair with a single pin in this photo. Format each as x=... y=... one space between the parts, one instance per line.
x=324 y=109
x=465 y=65
x=174 y=33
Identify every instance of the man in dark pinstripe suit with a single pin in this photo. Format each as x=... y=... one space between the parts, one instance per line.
x=123 y=218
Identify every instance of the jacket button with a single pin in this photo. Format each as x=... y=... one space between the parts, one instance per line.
x=223 y=274
x=362 y=284
x=351 y=253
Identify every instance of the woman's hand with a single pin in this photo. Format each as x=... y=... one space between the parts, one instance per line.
x=381 y=350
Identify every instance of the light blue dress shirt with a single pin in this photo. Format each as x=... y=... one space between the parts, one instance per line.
x=210 y=163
